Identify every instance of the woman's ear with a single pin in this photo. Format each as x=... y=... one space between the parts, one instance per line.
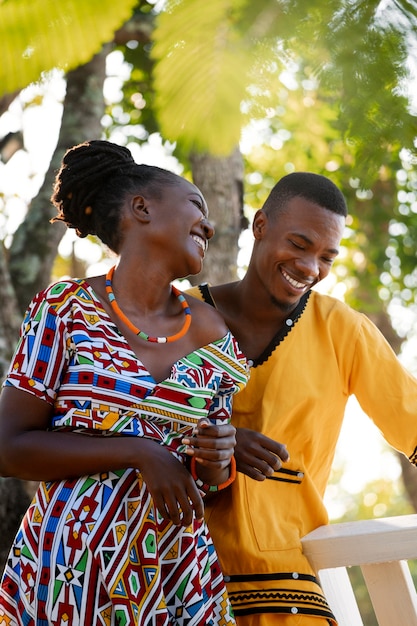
x=139 y=207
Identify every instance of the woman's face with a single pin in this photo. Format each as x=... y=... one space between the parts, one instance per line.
x=180 y=226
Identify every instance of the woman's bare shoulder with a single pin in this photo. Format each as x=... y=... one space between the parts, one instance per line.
x=207 y=318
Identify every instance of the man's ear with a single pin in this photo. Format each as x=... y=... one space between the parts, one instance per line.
x=139 y=207
x=259 y=224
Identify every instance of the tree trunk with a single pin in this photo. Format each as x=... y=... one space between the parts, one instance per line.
x=408 y=471
x=221 y=182
x=14 y=501
x=409 y=476
x=35 y=242
x=34 y=249
x=382 y=321
x=10 y=317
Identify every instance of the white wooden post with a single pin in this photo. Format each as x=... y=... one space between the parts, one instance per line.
x=339 y=594
x=392 y=593
x=381 y=548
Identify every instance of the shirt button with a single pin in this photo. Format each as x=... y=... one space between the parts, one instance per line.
x=289 y=322
x=250 y=362
x=295 y=575
x=294 y=610
x=226 y=579
x=300 y=475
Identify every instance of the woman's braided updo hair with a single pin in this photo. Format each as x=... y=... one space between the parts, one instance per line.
x=92 y=183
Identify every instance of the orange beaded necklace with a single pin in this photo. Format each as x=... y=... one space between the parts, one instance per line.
x=136 y=330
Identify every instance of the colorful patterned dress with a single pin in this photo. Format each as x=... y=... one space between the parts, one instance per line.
x=94 y=550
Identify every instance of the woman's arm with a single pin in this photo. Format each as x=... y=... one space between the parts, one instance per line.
x=31 y=452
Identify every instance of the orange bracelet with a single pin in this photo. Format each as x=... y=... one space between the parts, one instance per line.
x=204 y=487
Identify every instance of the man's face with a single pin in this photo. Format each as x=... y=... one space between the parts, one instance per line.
x=295 y=249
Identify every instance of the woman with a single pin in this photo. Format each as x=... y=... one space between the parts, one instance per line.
x=110 y=379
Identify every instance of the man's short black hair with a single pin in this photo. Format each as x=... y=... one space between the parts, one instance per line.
x=313 y=187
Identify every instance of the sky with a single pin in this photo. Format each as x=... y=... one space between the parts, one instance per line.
x=361 y=449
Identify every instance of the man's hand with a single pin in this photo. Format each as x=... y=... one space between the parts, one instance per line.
x=212 y=446
x=258 y=456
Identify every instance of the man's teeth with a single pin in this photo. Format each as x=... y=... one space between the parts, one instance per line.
x=199 y=241
x=293 y=282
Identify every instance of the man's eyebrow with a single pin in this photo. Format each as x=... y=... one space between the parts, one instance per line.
x=310 y=243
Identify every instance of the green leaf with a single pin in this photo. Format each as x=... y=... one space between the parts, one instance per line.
x=39 y=36
x=201 y=74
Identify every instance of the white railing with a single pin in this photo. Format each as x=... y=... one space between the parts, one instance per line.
x=381 y=547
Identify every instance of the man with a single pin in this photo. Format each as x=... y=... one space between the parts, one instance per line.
x=309 y=352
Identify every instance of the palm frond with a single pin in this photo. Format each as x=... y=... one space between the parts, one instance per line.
x=39 y=36
x=201 y=74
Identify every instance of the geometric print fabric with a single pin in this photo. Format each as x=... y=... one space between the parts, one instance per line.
x=94 y=550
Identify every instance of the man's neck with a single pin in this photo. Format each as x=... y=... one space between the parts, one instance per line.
x=253 y=323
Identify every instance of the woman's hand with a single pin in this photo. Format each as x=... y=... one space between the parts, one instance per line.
x=170 y=484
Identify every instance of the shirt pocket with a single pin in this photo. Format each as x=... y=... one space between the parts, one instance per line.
x=273 y=510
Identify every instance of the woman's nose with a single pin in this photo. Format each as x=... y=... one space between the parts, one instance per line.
x=208 y=228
